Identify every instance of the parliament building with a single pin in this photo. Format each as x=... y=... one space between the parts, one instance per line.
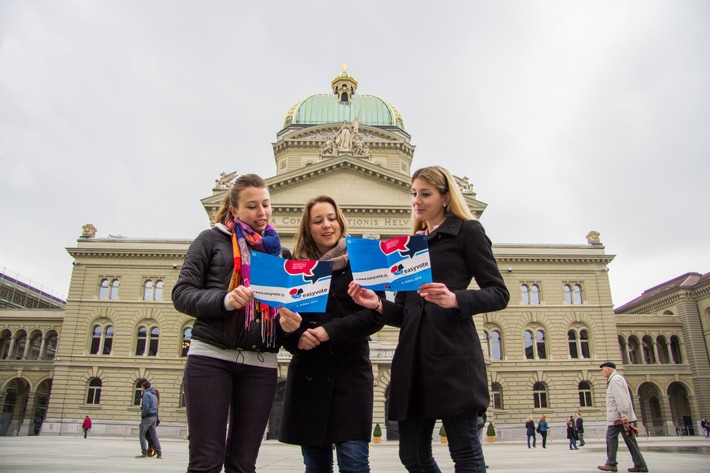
x=118 y=328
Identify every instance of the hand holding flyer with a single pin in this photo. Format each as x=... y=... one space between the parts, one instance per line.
x=298 y=285
x=398 y=264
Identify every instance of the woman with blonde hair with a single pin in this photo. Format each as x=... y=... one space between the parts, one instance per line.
x=438 y=369
x=232 y=362
x=329 y=388
x=530 y=430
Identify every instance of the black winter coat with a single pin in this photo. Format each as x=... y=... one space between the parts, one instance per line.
x=328 y=395
x=438 y=369
x=200 y=291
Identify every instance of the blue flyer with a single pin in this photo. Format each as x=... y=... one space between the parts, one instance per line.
x=398 y=264
x=298 y=285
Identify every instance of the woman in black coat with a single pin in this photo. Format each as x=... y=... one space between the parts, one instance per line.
x=530 y=430
x=328 y=397
x=438 y=369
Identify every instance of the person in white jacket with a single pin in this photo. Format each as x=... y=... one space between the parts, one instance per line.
x=619 y=415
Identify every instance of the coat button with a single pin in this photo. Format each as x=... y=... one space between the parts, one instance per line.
x=419 y=305
x=330 y=379
x=256 y=321
x=253 y=347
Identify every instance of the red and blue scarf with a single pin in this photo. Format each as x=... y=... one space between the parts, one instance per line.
x=245 y=238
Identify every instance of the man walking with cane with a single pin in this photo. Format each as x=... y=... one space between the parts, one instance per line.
x=620 y=418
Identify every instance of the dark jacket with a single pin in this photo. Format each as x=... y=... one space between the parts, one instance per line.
x=328 y=395
x=200 y=291
x=571 y=430
x=530 y=427
x=438 y=369
x=579 y=422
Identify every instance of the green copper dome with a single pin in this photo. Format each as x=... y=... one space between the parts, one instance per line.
x=344 y=105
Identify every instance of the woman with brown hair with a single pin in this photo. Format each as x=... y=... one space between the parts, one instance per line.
x=328 y=399
x=231 y=365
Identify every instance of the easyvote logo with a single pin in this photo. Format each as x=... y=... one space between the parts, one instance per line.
x=406 y=245
x=296 y=292
x=397 y=269
x=310 y=270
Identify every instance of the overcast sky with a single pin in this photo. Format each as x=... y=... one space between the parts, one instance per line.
x=567 y=116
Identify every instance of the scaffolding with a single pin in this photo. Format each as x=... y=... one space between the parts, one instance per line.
x=17 y=292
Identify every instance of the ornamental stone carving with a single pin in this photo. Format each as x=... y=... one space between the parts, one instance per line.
x=593 y=238
x=88 y=231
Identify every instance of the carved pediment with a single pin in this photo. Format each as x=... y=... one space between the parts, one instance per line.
x=328 y=132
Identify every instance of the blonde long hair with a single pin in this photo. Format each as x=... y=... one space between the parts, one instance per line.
x=442 y=180
x=305 y=247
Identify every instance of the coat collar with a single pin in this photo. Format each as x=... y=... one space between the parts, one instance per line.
x=450 y=226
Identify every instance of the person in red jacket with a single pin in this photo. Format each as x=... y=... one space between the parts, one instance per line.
x=86 y=425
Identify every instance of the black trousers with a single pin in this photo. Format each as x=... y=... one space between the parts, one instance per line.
x=215 y=389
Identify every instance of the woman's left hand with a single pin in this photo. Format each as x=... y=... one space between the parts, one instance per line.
x=438 y=294
x=289 y=320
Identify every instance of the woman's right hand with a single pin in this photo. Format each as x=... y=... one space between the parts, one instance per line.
x=289 y=319
x=240 y=297
x=364 y=297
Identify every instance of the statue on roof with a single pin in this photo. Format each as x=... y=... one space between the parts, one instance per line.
x=88 y=231
x=344 y=137
x=328 y=148
x=593 y=238
x=225 y=180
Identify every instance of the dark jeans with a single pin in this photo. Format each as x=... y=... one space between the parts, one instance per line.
x=543 y=434
x=353 y=457
x=148 y=425
x=534 y=439
x=215 y=389
x=415 y=449
x=612 y=445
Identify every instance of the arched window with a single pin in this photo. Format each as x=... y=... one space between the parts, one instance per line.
x=649 y=356
x=114 y=289
x=540 y=395
x=147 y=341
x=535 y=294
x=634 y=350
x=153 y=291
x=572 y=342
x=585 y=394
x=528 y=345
x=138 y=392
x=141 y=337
x=496 y=345
x=497 y=396
x=577 y=294
x=568 y=293
x=20 y=343
x=186 y=340
x=101 y=340
x=541 y=345
x=5 y=341
x=486 y=344
x=524 y=294
x=148 y=290
x=95 y=340
x=50 y=346
x=578 y=341
x=103 y=289
x=108 y=340
x=584 y=343
x=622 y=349
x=662 y=346
x=675 y=350
x=35 y=346
x=154 y=339
x=93 y=391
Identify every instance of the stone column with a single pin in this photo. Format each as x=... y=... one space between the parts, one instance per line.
x=667 y=415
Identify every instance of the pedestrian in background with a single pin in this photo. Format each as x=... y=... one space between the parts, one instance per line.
x=620 y=419
x=530 y=430
x=543 y=428
x=579 y=424
x=149 y=420
x=86 y=425
x=572 y=433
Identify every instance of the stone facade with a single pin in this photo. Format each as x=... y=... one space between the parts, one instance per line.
x=543 y=351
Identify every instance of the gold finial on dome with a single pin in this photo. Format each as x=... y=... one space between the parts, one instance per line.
x=344 y=85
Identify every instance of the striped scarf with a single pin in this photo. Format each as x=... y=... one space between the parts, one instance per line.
x=245 y=238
